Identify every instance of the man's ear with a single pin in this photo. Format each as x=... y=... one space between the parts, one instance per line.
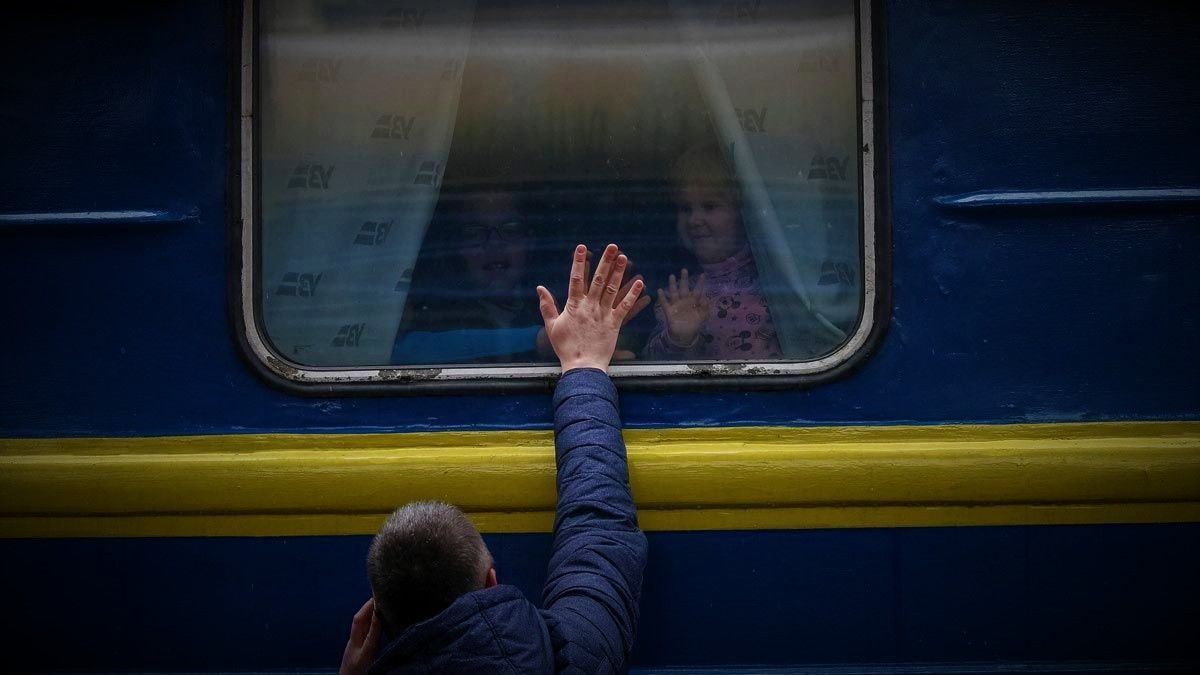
x=491 y=578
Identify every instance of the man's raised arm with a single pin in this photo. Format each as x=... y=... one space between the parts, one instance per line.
x=595 y=578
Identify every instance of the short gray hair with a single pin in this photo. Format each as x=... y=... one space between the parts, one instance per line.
x=425 y=556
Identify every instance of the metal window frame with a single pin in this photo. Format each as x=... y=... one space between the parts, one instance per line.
x=262 y=357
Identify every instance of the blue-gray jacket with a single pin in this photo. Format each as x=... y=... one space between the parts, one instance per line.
x=590 y=602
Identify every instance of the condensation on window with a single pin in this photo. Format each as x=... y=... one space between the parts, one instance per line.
x=425 y=165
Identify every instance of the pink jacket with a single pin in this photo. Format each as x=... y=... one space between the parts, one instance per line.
x=739 y=325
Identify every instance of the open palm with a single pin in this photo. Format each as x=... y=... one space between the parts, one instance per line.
x=684 y=307
x=584 y=334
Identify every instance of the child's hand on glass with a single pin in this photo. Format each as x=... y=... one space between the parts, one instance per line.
x=684 y=307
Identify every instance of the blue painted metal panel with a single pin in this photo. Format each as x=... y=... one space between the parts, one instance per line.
x=948 y=595
x=1010 y=316
x=1020 y=310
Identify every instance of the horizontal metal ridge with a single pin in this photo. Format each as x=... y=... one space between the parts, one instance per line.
x=1069 y=198
x=135 y=218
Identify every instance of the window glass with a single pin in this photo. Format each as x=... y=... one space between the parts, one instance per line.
x=424 y=165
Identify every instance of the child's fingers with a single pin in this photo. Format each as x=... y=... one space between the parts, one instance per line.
x=623 y=355
x=684 y=284
x=663 y=299
x=672 y=288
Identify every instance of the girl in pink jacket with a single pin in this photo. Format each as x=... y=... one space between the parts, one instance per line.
x=722 y=314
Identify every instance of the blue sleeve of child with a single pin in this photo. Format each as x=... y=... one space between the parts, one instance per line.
x=449 y=346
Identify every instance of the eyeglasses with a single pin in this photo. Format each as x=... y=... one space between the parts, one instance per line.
x=479 y=235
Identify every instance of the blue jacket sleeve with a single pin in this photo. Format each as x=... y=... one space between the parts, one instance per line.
x=595 y=578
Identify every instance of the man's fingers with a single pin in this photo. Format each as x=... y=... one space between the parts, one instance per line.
x=372 y=641
x=547 y=305
x=613 y=286
x=625 y=287
x=578 y=284
x=642 y=303
x=361 y=623
x=604 y=269
x=626 y=305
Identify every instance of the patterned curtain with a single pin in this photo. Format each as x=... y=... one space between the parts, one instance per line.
x=780 y=84
x=356 y=110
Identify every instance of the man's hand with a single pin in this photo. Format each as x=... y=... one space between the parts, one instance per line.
x=642 y=302
x=363 y=642
x=584 y=335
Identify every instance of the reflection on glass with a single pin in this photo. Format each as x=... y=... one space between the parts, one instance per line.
x=426 y=165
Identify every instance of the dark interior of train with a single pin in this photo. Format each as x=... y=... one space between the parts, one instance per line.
x=583 y=145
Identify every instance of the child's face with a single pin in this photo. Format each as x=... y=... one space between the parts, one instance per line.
x=708 y=223
x=494 y=242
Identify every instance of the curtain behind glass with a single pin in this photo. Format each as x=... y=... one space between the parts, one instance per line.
x=357 y=108
x=780 y=84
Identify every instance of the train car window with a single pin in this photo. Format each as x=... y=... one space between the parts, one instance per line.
x=420 y=167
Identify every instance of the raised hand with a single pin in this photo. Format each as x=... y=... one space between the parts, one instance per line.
x=642 y=302
x=684 y=307
x=545 y=350
x=584 y=334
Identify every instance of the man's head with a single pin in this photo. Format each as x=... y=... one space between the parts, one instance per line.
x=426 y=555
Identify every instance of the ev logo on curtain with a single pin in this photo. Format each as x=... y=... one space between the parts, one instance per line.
x=349 y=335
x=408 y=18
x=299 y=284
x=395 y=127
x=429 y=174
x=373 y=233
x=752 y=121
x=320 y=70
x=310 y=177
x=739 y=10
x=828 y=168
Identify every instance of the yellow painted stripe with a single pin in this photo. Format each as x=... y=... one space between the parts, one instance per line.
x=683 y=479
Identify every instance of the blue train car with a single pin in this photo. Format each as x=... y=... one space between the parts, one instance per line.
x=994 y=467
